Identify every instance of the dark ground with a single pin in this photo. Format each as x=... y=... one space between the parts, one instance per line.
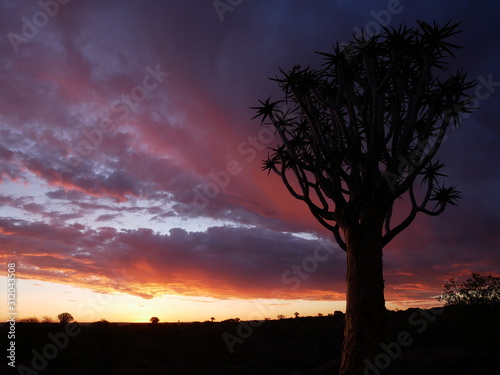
x=457 y=341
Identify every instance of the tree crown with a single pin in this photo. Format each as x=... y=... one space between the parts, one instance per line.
x=357 y=133
x=65 y=317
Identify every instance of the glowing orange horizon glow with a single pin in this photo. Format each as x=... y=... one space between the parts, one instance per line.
x=106 y=303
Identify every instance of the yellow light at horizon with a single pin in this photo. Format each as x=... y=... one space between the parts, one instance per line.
x=39 y=298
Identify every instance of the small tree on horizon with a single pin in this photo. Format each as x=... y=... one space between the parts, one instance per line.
x=65 y=317
x=356 y=137
x=154 y=320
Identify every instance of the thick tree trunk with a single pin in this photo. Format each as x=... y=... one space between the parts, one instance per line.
x=366 y=320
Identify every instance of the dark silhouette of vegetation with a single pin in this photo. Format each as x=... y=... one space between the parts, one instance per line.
x=47 y=319
x=29 y=320
x=296 y=314
x=154 y=320
x=359 y=135
x=478 y=290
x=338 y=314
x=65 y=317
x=456 y=341
x=231 y=320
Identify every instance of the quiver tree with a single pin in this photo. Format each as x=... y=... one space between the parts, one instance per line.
x=358 y=135
x=65 y=318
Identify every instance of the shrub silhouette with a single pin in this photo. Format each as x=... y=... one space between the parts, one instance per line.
x=65 y=317
x=338 y=313
x=154 y=320
x=29 y=320
x=47 y=319
x=478 y=290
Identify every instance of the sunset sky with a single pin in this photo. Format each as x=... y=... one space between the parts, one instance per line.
x=130 y=180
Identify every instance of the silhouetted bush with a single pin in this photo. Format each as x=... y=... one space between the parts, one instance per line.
x=29 y=320
x=478 y=290
x=47 y=319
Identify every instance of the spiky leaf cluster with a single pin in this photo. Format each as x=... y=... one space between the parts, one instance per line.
x=357 y=133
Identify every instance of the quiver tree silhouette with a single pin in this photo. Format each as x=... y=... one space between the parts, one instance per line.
x=65 y=317
x=358 y=135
